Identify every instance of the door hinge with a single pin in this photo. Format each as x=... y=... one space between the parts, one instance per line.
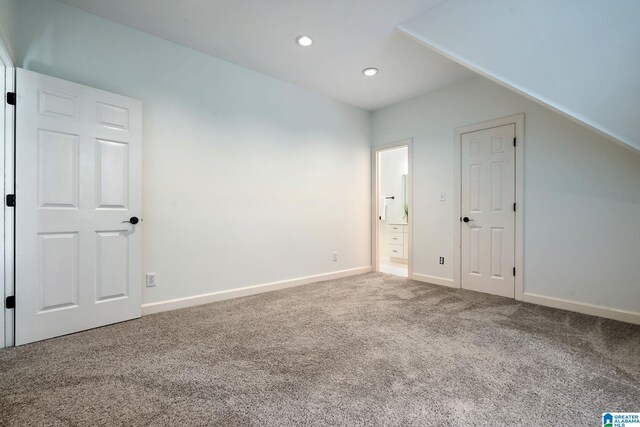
x=11 y=98
x=10 y=302
x=514 y=142
x=514 y=271
x=11 y=200
x=514 y=207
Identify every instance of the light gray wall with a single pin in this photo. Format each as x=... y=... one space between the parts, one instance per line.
x=246 y=179
x=8 y=16
x=582 y=193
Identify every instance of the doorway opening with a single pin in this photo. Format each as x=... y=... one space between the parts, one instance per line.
x=392 y=242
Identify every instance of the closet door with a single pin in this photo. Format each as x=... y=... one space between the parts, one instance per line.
x=488 y=223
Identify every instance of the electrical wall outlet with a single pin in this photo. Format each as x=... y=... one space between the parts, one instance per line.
x=443 y=196
x=151 y=280
x=441 y=260
x=335 y=256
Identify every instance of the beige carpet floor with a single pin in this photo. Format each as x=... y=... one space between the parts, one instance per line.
x=368 y=350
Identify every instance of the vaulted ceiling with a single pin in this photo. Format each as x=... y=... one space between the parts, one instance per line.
x=580 y=58
x=348 y=36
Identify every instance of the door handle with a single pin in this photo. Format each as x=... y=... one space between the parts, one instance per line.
x=466 y=219
x=133 y=220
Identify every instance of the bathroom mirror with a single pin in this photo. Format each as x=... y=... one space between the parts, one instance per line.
x=405 y=202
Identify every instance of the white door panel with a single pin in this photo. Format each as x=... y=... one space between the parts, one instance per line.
x=78 y=177
x=488 y=194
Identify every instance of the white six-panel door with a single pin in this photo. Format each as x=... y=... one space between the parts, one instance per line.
x=488 y=194
x=78 y=177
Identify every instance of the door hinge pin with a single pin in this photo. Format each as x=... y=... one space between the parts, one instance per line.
x=11 y=200
x=514 y=271
x=10 y=302
x=11 y=98
x=514 y=142
x=514 y=207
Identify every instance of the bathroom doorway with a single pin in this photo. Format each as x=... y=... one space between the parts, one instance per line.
x=392 y=234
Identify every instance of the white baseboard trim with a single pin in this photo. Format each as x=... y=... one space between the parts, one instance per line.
x=174 y=304
x=579 y=307
x=434 y=280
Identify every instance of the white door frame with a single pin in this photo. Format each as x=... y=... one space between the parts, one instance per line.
x=518 y=121
x=375 y=253
x=7 y=185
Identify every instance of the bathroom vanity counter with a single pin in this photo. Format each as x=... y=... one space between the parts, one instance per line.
x=399 y=242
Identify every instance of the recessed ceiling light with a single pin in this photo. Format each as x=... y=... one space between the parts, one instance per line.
x=304 y=41
x=370 y=72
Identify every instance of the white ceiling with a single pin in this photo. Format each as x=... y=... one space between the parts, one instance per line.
x=348 y=36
